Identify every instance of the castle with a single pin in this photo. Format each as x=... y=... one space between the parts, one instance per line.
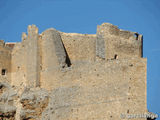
x=70 y=76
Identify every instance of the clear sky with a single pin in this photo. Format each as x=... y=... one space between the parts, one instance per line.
x=83 y=16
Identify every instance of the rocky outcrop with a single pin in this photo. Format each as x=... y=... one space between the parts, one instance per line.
x=33 y=104
x=7 y=112
x=7 y=97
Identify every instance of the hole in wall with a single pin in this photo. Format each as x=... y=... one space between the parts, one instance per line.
x=63 y=66
x=115 y=56
x=131 y=65
x=3 y=72
x=136 y=36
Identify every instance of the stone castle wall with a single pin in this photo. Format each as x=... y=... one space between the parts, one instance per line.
x=5 y=62
x=77 y=76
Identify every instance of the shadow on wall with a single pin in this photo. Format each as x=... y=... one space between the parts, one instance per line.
x=68 y=62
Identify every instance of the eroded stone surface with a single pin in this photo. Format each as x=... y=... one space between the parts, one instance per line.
x=7 y=112
x=7 y=97
x=70 y=76
x=33 y=103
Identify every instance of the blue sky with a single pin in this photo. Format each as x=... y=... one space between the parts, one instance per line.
x=83 y=16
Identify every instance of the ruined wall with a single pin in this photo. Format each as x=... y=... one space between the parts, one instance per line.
x=19 y=63
x=32 y=56
x=66 y=76
x=25 y=61
x=5 y=62
x=93 y=89
x=113 y=42
x=101 y=90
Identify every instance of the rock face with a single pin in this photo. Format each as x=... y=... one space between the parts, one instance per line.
x=71 y=76
x=7 y=112
x=7 y=97
x=33 y=103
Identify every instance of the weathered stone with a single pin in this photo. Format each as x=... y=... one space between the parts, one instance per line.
x=33 y=103
x=52 y=49
x=79 y=47
x=5 y=62
x=100 y=46
x=3 y=87
x=117 y=42
x=7 y=112
x=70 y=76
x=32 y=56
x=7 y=93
